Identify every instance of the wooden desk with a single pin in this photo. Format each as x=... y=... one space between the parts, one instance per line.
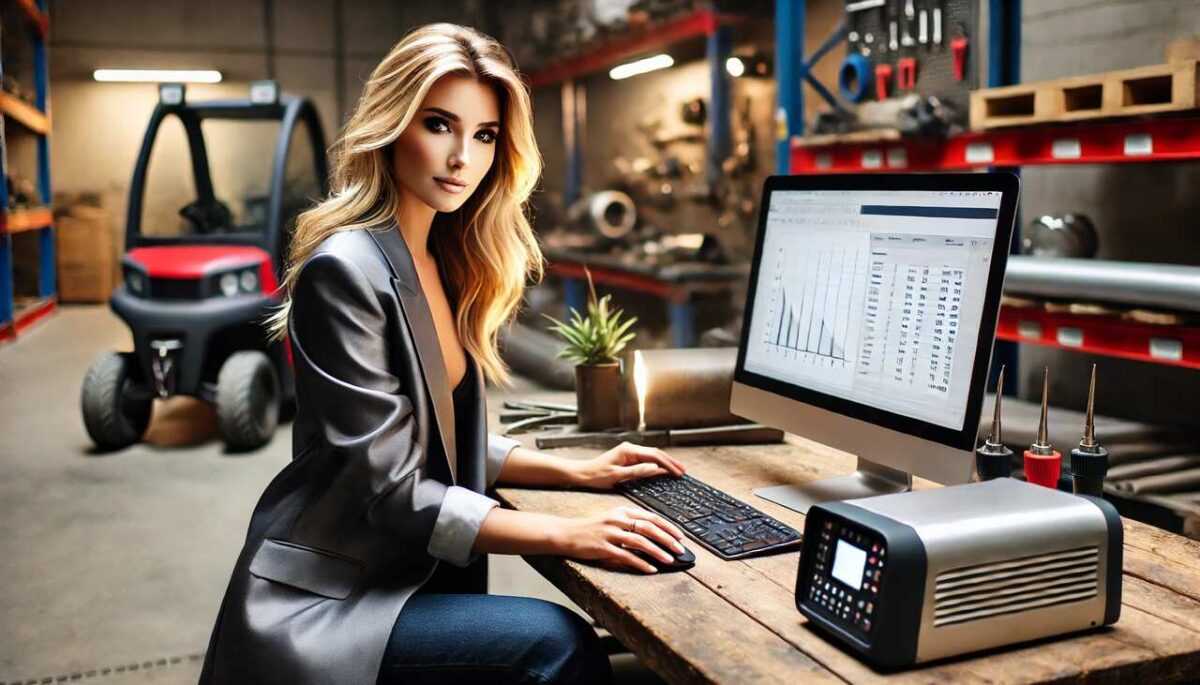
x=736 y=622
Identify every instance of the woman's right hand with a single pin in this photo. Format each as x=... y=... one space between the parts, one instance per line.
x=608 y=538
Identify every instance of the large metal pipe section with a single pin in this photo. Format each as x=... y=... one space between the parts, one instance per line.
x=1165 y=286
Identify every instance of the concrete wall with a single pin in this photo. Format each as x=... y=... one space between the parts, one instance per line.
x=322 y=49
x=1143 y=212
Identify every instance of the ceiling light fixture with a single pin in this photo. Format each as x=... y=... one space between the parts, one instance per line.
x=157 y=75
x=641 y=66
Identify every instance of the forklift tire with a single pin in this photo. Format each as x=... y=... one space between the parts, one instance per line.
x=247 y=400
x=114 y=417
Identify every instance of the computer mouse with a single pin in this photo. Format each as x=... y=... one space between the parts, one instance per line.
x=682 y=561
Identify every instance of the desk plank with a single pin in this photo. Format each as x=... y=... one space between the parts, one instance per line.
x=680 y=628
x=1157 y=638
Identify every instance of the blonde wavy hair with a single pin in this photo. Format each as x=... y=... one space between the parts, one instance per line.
x=486 y=249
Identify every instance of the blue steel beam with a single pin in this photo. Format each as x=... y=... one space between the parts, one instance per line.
x=1004 y=69
x=719 y=45
x=789 y=70
x=47 y=279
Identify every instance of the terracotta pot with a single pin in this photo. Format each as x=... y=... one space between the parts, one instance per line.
x=598 y=395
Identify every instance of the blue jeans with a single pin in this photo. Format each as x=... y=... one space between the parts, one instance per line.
x=475 y=638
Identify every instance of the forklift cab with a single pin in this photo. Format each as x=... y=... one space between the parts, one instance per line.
x=205 y=254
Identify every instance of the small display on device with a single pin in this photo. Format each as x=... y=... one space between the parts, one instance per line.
x=849 y=563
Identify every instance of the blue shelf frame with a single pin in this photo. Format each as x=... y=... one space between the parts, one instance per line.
x=47 y=277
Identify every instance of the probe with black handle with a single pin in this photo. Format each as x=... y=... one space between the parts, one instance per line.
x=993 y=459
x=1089 y=461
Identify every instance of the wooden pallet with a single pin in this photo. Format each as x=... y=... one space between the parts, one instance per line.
x=1172 y=87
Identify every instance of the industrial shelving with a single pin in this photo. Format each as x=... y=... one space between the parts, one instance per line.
x=18 y=313
x=1103 y=141
x=1100 y=142
x=715 y=28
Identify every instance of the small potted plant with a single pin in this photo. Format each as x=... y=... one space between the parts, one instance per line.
x=594 y=342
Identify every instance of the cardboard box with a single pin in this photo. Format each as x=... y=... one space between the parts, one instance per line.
x=86 y=271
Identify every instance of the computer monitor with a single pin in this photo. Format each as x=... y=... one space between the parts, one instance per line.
x=870 y=319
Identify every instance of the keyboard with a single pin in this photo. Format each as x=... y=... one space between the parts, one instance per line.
x=728 y=527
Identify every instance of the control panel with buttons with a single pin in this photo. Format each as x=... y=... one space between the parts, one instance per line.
x=846 y=572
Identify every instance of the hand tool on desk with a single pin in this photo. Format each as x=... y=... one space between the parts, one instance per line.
x=746 y=434
x=547 y=406
x=1043 y=463
x=1089 y=461
x=993 y=459
x=527 y=416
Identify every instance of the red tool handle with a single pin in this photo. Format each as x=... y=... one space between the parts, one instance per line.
x=958 y=47
x=908 y=73
x=883 y=75
x=1043 y=469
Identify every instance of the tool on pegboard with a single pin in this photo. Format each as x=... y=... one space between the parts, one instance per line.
x=854 y=77
x=937 y=24
x=909 y=17
x=883 y=77
x=906 y=78
x=893 y=31
x=958 y=48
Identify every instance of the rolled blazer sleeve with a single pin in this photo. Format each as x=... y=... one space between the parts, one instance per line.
x=499 y=447
x=339 y=328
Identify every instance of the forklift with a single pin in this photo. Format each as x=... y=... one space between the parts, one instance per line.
x=195 y=294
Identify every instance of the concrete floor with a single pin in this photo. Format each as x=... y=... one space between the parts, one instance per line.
x=112 y=565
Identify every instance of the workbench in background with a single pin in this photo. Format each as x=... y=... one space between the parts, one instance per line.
x=674 y=284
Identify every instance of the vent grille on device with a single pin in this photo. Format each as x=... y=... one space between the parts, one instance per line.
x=970 y=593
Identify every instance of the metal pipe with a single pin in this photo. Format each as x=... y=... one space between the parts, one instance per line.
x=1137 y=283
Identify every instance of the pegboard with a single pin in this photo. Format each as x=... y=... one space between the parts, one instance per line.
x=868 y=26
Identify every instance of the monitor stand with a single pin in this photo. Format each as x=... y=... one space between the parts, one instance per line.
x=869 y=480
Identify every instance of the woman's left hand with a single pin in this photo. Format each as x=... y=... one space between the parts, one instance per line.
x=626 y=461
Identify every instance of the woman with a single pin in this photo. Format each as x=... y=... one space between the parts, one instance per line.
x=363 y=562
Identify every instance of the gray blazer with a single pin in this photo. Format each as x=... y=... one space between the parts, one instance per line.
x=376 y=493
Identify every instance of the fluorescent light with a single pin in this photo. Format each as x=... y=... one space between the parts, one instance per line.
x=158 y=75
x=641 y=66
x=735 y=66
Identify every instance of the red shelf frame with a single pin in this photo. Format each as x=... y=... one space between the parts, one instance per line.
x=1102 y=335
x=694 y=25
x=26 y=317
x=38 y=18
x=1144 y=140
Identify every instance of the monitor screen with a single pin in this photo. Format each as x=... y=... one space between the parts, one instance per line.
x=874 y=297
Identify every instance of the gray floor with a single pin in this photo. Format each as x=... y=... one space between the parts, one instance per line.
x=118 y=561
